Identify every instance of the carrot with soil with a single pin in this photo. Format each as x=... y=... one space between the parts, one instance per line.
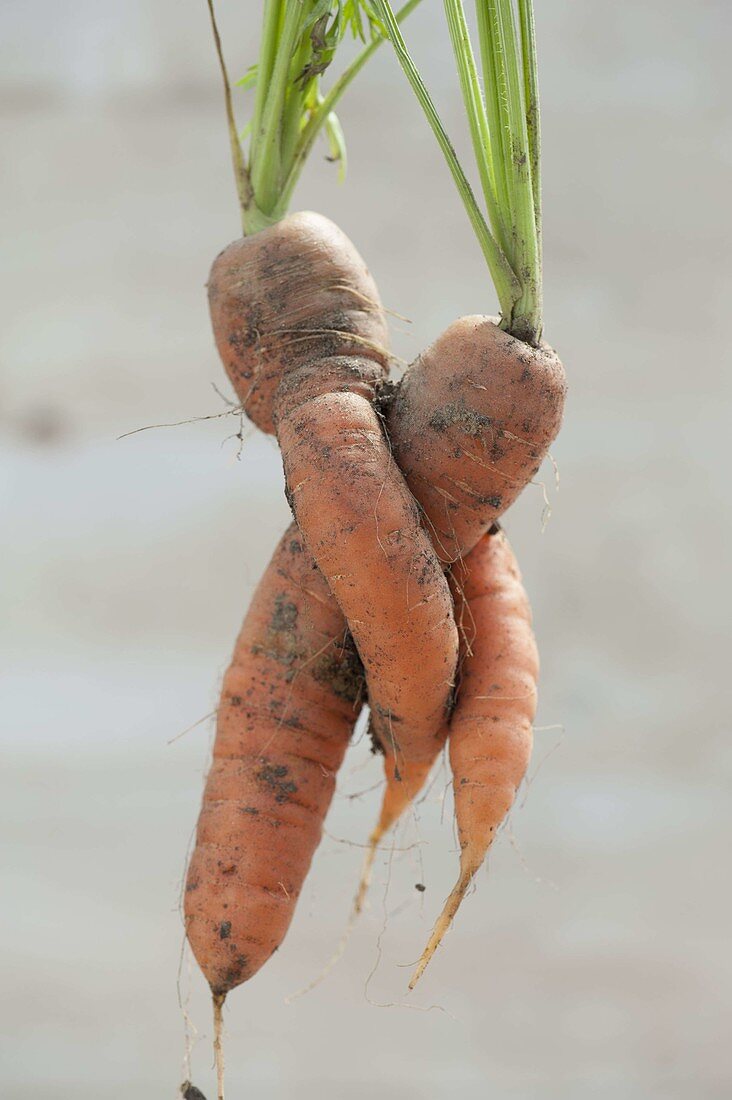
x=474 y=417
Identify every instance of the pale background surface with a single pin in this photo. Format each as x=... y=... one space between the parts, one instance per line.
x=594 y=958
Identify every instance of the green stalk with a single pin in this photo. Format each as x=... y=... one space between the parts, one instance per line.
x=531 y=103
x=526 y=322
x=476 y=112
x=492 y=69
x=318 y=118
x=292 y=115
x=266 y=166
x=507 y=286
x=265 y=64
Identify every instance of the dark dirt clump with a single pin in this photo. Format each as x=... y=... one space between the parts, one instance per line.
x=190 y=1092
x=284 y=615
x=471 y=422
x=342 y=672
x=274 y=776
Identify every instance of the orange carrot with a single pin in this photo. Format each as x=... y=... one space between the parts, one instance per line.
x=490 y=732
x=470 y=423
x=289 y=701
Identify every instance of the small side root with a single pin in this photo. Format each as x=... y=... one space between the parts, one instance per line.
x=331 y=963
x=218 y=1041
x=358 y=906
x=443 y=923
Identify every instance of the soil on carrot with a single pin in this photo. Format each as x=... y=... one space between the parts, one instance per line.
x=342 y=672
x=274 y=776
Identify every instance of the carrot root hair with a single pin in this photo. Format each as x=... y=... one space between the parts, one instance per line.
x=218 y=1041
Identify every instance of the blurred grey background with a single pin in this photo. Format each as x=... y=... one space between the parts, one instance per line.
x=593 y=958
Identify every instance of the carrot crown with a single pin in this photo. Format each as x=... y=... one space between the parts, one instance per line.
x=503 y=118
x=299 y=42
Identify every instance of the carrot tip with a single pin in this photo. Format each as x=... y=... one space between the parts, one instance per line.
x=442 y=925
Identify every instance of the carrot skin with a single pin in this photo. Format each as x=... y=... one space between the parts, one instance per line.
x=314 y=370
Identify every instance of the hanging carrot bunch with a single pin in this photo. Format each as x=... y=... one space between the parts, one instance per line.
x=394 y=586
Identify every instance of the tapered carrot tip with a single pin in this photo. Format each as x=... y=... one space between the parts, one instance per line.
x=469 y=864
x=218 y=1042
x=403 y=784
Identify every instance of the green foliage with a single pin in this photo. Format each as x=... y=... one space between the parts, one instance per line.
x=299 y=41
x=503 y=118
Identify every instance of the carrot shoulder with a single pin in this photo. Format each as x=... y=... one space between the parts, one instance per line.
x=471 y=422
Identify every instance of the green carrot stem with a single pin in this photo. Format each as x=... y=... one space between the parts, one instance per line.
x=531 y=104
x=476 y=112
x=526 y=322
x=266 y=166
x=319 y=117
x=265 y=64
x=507 y=286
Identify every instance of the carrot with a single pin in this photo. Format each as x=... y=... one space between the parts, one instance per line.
x=474 y=416
x=302 y=335
x=490 y=734
x=470 y=425
x=288 y=704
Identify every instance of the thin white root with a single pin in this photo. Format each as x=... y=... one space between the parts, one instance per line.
x=367 y=870
x=331 y=963
x=218 y=1042
x=442 y=924
x=358 y=904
